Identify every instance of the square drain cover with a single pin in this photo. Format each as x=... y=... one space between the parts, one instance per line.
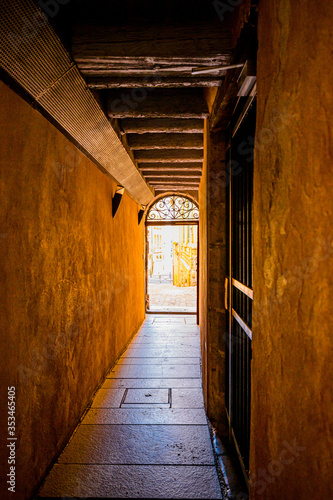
x=143 y=398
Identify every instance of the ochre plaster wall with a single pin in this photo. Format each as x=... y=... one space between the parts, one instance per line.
x=292 y=369
x=72 y=284
x=213 y=318
x=203 y=257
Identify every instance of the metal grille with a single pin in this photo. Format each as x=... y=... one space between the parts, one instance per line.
x=241 y=282
x=173 y=208
x=32 y=54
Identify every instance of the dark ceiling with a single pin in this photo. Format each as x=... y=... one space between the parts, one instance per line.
x=137 y=58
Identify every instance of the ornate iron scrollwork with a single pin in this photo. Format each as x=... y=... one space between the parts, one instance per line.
x=173 y=208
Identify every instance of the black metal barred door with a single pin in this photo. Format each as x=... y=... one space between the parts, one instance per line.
x=240 y=168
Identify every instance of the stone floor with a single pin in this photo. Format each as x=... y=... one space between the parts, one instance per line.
x=145 y=434
x=167 y=297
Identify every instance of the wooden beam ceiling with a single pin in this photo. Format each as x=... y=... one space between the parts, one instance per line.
x=165 y=166
x=174 y=187
x=205 y=42
x=169 y=155
x=165 y=141
x=156 y=103
x=168 y=160
x=140 y=63
x=180 y=180
x=161 y=125
x=186 y=178
x=177 y=173
x=169 y=152
x=104 y=81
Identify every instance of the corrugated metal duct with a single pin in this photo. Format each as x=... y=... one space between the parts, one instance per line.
x=34 y=56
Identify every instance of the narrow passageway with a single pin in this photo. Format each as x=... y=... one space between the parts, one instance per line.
x=146 y=433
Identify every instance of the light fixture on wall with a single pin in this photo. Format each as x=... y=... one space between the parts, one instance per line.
x=117 y=199
x=209 y=69
x=141 y=213
x=247 y=78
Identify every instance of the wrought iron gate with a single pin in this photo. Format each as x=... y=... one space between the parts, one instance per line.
x=240 y=286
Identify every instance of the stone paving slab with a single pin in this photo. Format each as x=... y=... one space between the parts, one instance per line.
x=158 y=319
x=172 y=309
x=139 y=396
x=145 y=416
x=180 y=398
x=187 y=398
x=159 y=361
x=151 y=318
x=155 y=371
x=145 y=434
x=169 y=327
x=158 y=332
x=162 y=351
x=162 y=337
x=108 y=398
x=166 y=342
x=139 y=444
x=153 y=406
x=161 y=333
x=119 y=398
x=152 y=383
x=176 y=319
x=135 y=481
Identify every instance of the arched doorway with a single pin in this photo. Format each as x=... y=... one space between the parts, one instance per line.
x=172 y=255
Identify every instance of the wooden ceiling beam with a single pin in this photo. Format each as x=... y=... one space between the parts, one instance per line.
x=113 y=82
x=175 y=181
x=165 y=141
x=161 y=125
x=165 y=166
x=150 y=75
x=162 y=188
x=175 y=185
x=169 y=155
x=151 y=42
x=172 y=180
x=157 y=103
x=176 y=173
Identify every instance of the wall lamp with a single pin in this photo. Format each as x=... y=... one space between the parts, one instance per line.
x=247 y=78
x=209 y=69
x=141 y=213
x=117 y=199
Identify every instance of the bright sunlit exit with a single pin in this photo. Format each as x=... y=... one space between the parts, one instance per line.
x=172 y=268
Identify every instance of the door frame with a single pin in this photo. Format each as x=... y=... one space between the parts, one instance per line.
x=170 y=223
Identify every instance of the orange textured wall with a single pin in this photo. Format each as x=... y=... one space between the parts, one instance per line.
x=292 y=369
x=203 y=261
x=71 y=279
x=212 y=255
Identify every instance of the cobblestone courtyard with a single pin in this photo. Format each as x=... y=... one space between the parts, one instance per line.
x=167 y=297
